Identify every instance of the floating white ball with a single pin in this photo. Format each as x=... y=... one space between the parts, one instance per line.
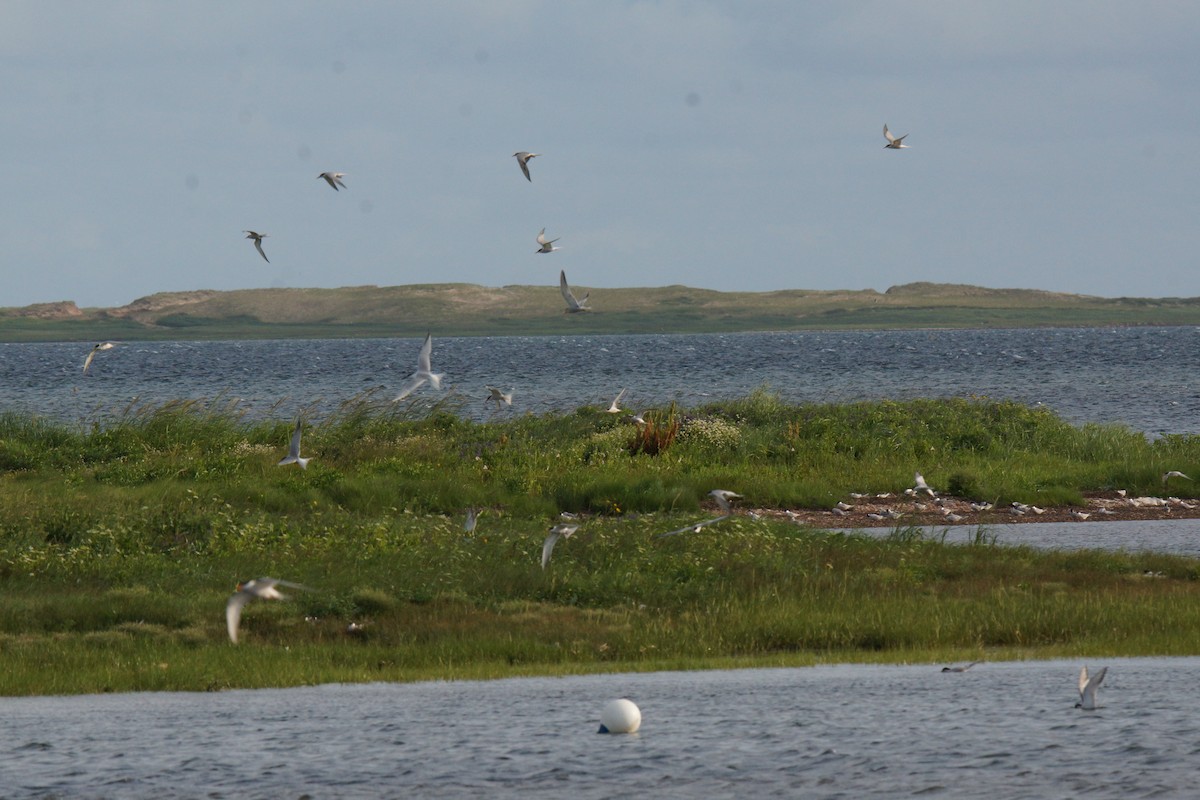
x=620 y=716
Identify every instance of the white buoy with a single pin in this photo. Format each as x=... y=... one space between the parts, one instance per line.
x=620 y=716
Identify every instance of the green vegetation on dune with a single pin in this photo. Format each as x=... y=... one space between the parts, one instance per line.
x=470 y=310
x=119 y=544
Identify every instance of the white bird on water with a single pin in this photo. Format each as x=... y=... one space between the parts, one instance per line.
x=259 y=589
x=87 y=362
x=293 y=456
x=1087 y=688
x=523 y=160
x=894 y=143
x=614 y=407
x=562 y=530
x=334 y=179
x=573 y=306
x=258 y=237
x=498 y=397
x=547 y=245
x=424 y=371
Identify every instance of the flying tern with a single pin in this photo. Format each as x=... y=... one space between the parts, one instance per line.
x=258 y=237
x=573 y=306
x=523 y=160
x=614 y=407
x=562 y=530
x=293 y=456
x=695 y=526
x=894 y=143
x=334 y=179
x=87 y=362
x=258 y=589
x=424 y=371
x=1173 y=474
x=497 y=396
x=547 y=245
x=723 y=496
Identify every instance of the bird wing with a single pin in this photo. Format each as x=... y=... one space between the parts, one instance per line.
x=87 y=362
x=233 y=613
x=548 y=547
x=411 y=385
x=258 y=247
x=294 y=446
x=1083 y=680
x=696 y=526
x=525 y=167
x=566 y=290
x=423 y=363
x=542 y=237
x=888 y=134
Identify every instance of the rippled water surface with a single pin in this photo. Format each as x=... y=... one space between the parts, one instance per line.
x=997 y=731
x=1143 y=377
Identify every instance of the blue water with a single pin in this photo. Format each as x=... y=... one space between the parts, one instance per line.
x=1002 y=730
x=1145 y=378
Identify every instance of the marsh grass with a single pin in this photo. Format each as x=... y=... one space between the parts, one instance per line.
x=120 y=543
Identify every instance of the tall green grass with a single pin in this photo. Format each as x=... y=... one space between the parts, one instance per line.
x=119 y=544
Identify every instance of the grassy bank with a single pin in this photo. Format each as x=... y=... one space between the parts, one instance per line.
x=120 y=544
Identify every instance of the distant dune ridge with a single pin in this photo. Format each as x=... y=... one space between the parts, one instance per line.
x=469 y=309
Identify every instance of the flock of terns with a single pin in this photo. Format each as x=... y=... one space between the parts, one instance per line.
x=266 y=588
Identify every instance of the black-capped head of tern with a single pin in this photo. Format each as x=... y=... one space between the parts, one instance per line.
x=498 y=397
x=546 y=245
x=424 y=371
x=615 y=407
x=1173 y=474
x=258 y=237
x=334 y=179
x=561 y=530
x=523 y=160
x=723 y=496
x=293 y=456
x=257 y=589
x=87 y=362
x=894 y=142
x=1088 y=685
x=573 y=306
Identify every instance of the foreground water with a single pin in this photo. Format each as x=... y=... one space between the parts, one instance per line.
x=1143 y=377
x=996 y=731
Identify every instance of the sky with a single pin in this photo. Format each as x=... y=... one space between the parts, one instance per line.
x=735 y=146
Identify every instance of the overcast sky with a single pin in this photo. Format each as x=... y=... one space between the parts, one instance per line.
x=727 y=145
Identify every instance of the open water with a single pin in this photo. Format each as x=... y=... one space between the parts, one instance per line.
x=1146 y=378
x=997 y=731
x=1003 y=730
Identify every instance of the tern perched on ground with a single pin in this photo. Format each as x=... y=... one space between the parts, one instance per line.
x=334 y=179
x=1173 y=474
x=424 y=371
x=562 y=530
x=259 y=589
x=293 y=456
x=87 y=362
x=1088 y=687
x=258 y=237
x=573 y=306
x=547 y=246
x=523 y=160
x=614 y=407
x=894 y=143
x=499 y=397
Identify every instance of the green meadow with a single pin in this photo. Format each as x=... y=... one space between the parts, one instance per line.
x=120 y=543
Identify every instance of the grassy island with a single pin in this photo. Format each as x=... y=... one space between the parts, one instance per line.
x=120 y=543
